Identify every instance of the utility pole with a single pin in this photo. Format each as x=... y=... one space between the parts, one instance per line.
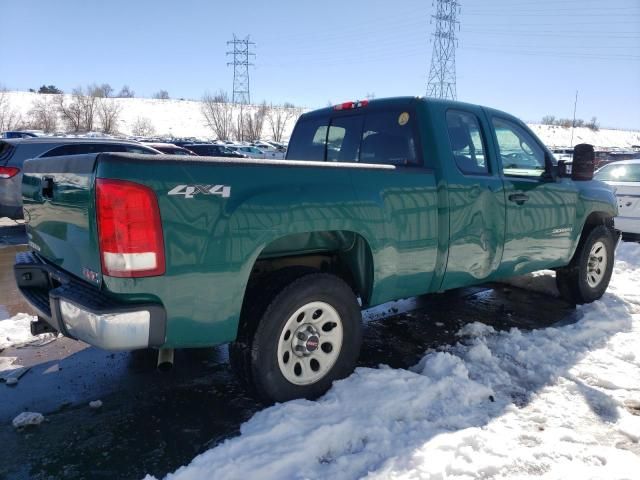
x=241 y=51
x=573 y=124
x=442 y=74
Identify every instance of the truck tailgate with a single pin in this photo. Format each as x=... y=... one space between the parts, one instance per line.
x=59 y=204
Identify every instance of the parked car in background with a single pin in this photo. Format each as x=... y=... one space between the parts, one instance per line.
x=624 y=176
x=213 y=150
x=268 y=151
x=251 y=152
x=14 y=151
x=169 y=148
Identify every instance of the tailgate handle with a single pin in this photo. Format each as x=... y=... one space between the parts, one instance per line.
x=47 y=187
x=519 y=198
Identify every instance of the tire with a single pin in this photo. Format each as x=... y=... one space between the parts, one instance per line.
x=323 y=320
x=587 y=277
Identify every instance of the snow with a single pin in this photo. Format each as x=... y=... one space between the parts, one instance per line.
x=172 y=117
x=16 y=330
x=555 y=403
x=179 y=118
x=27 y=418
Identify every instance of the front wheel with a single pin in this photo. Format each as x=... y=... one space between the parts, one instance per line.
x=587 y=277
x=308 y=336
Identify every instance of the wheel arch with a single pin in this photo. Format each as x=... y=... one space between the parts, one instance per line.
x=344 y=253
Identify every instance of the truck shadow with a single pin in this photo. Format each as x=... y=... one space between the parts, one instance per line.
x=154 y=423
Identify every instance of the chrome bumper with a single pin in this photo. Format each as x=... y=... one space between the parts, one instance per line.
x=81 y=311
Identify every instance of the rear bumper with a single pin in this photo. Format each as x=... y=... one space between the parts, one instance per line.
x=81 y=311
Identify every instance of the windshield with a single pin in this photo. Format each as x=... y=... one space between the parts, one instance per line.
x=626 y=172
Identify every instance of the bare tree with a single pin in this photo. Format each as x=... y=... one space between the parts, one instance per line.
x=108 y=114
x=71 y=113
x=44 y=114
x=126 y=92
x=254 y=123
x=102 y=91
x=143 y=127
x=279 y=117
x=218 y=113
x=161 y=95
x=238 y=129
x=9 y=117
x=80 y=113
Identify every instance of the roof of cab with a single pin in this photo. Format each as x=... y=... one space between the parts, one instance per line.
x=382 y=103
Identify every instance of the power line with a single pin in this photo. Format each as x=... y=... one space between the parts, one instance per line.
x=241 y=53
x=442 y=73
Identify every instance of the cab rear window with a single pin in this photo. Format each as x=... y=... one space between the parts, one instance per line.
x=382 y=137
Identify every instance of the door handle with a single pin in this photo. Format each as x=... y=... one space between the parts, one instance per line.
x=518 y=198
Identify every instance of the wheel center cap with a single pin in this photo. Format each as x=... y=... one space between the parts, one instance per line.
x=312 y=343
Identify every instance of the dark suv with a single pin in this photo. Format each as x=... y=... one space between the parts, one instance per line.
x=14 y=151
x=212 y=150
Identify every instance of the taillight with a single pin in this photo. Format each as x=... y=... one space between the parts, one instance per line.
x=129 y=229
x=8 y=172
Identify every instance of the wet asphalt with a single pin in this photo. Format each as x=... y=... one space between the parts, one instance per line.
x=154 y=422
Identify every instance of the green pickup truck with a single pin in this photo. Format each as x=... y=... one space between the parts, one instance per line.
x=375 y=201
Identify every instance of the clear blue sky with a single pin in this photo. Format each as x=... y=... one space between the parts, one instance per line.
x=526 y=57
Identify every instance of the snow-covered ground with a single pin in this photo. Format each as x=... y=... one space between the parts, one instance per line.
x=16 y=330
x=184 y=118
x=556 y=403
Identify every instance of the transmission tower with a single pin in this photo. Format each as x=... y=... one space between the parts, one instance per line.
x=442 y=74
x=241 y=53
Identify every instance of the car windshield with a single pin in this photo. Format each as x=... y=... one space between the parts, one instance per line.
x=625 y=172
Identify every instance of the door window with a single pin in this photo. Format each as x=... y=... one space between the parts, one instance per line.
x=467 y=142
x=521 y=155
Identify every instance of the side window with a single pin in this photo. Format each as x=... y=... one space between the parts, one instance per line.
x=388 y=137
x=308 y=139
x=467 y=142
x=520 y=154
x=343 y=140
x=58 y=151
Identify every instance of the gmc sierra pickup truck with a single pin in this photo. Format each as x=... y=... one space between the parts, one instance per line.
x=375 y=201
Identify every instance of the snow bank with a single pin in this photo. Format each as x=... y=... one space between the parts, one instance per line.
x=554 y=402
x=16 y=330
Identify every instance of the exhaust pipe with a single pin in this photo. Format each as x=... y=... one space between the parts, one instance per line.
x=165 y=359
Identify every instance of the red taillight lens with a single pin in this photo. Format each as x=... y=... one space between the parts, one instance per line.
x=8 y=172
x=129 y=229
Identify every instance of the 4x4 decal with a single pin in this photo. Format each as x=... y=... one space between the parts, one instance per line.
x=189 y=191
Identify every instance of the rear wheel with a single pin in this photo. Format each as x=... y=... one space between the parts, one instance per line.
x=308 y=335
x=587 y=277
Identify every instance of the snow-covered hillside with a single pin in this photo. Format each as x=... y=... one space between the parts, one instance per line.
x=173 y=117
x=181 y=118
x=555 y=403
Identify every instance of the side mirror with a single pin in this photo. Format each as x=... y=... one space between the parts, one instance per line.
x=583 y=162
